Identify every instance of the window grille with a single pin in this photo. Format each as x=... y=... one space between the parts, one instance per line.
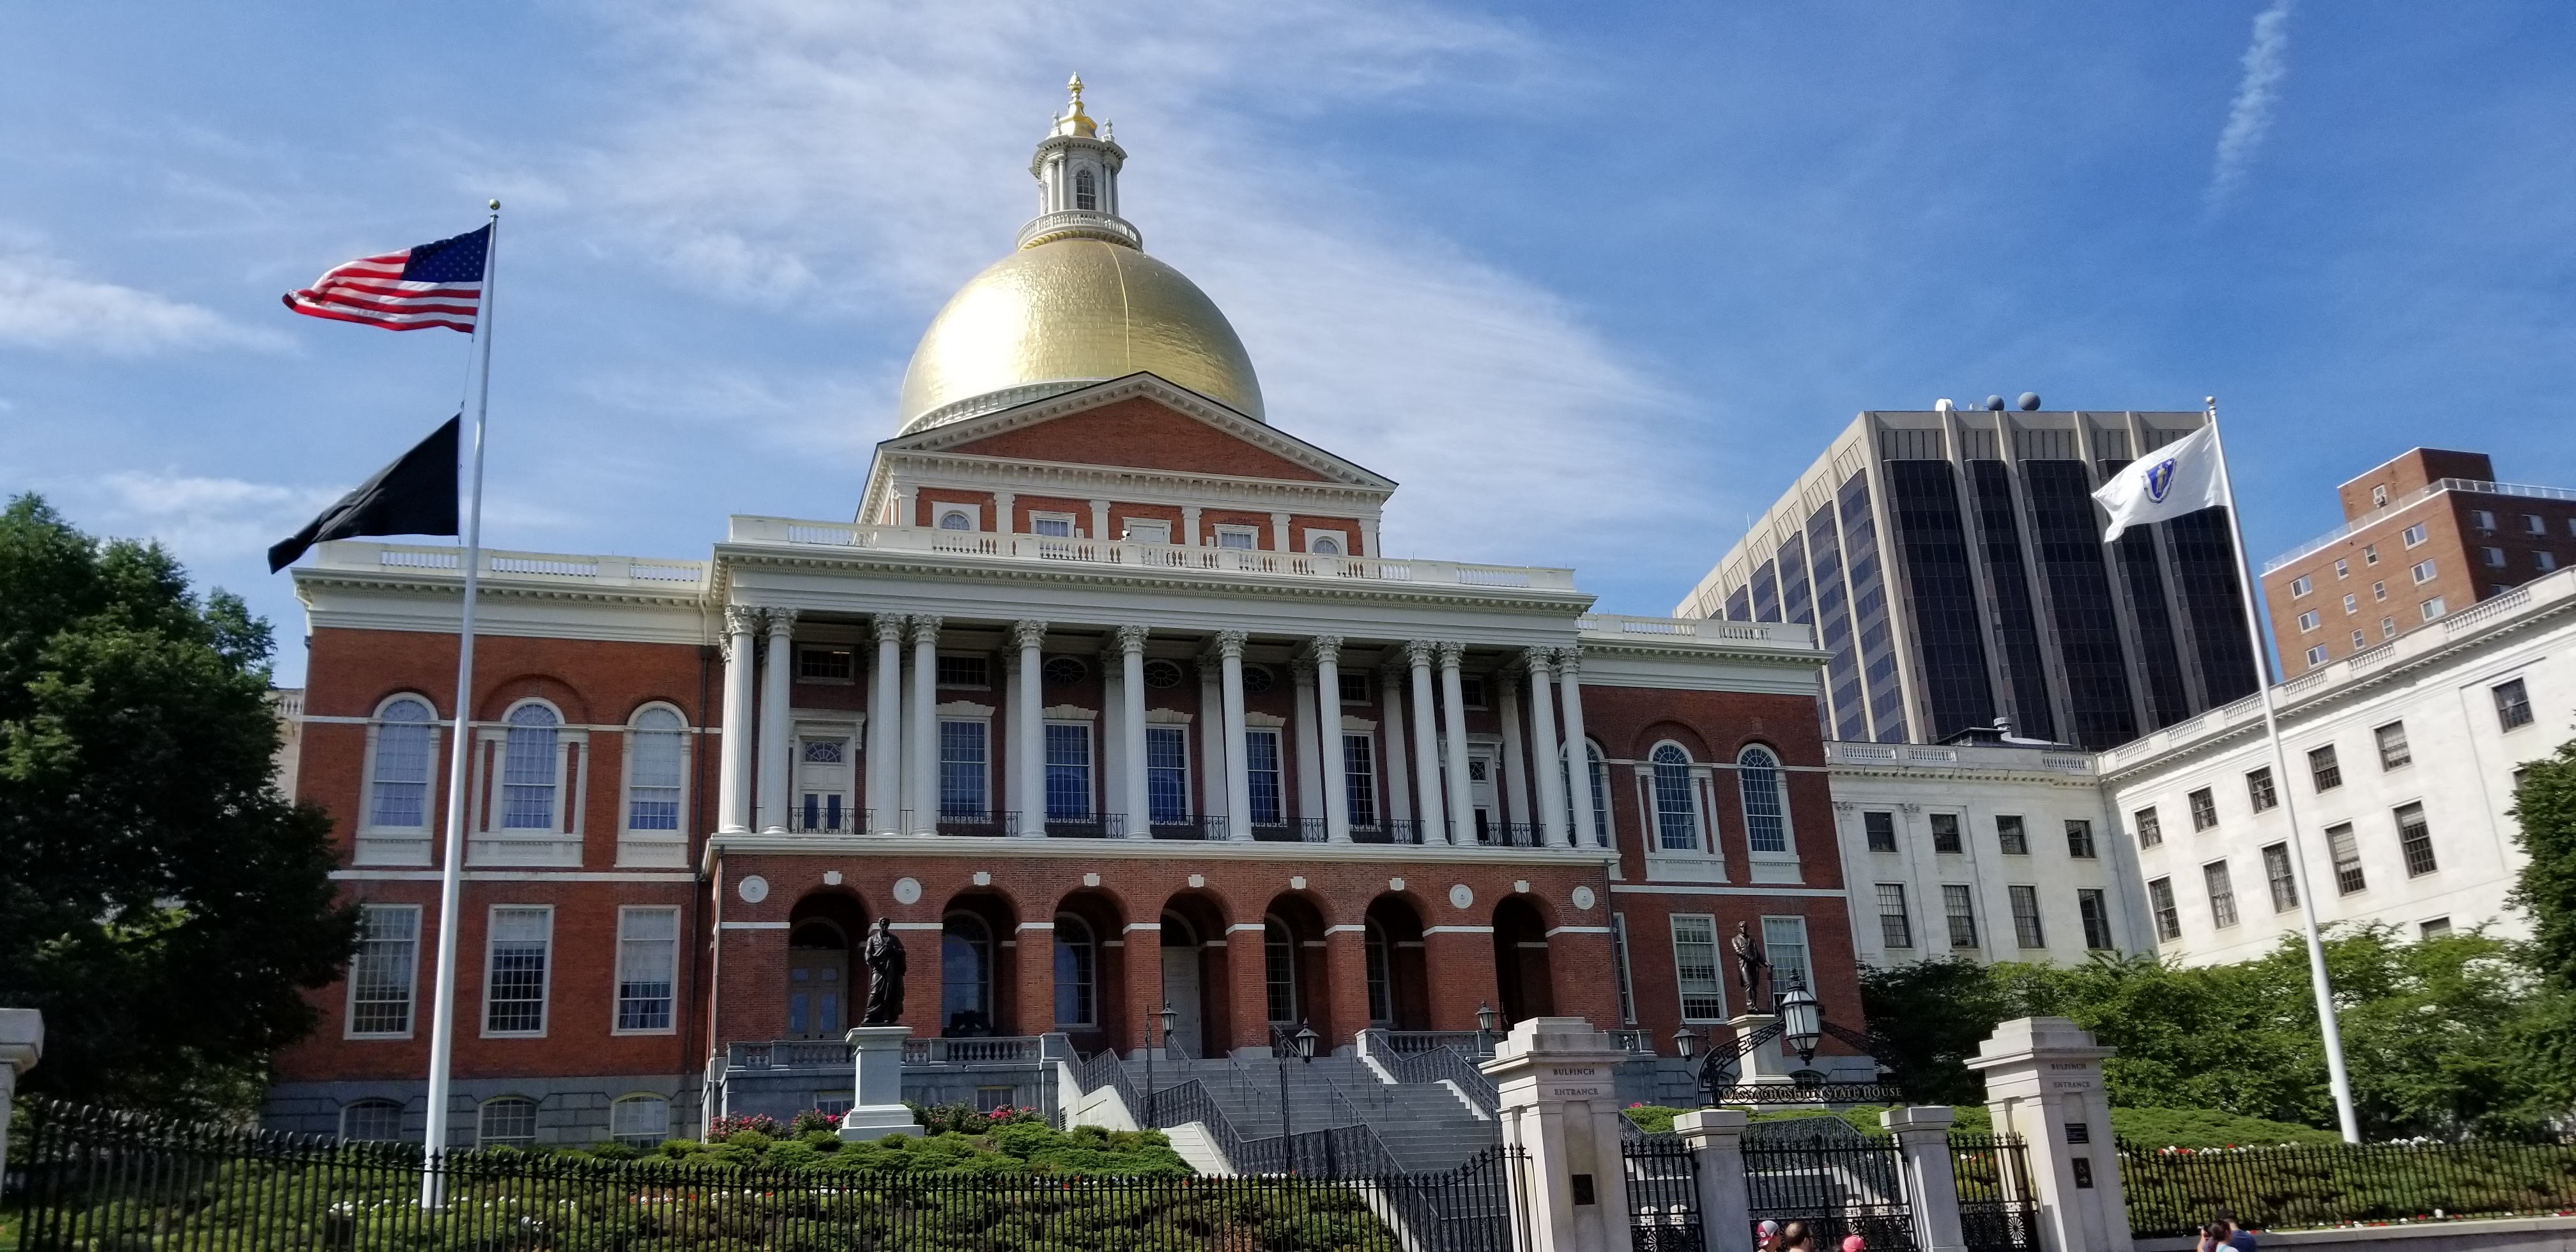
x=2160 y=902
x=647 y=957
x=1261 y=763
x=2347 y=859
x=514 y=996
x=399 y=790
x=1077 y=963
x=1676 y=819
x=371 y=1121
x=2222 y=894
x=1881 y=830
x=1381 y=990
x=2393 y=752
x=1945 y=832
x=1068 y=771
x=2079 y=839
x=2513 y=704
x=510 y=1121
x=1695 y=968
x=1279 y=971
x=654 y=755
x=2415 y=839
x=963 y=757
x=2281 y=876
x=384 y=969
x=528 y=762
x=642 y=1121
x=2204 y=809
x=2011 y=837
x=2323 y=769
x=1784 y=944
x=1959 y=903
x=965 y=671
x=2259 y=791
x=2150 y=831
x=1359 y=779
x=823 y=664
x=1766 y=810
x=1895 y=927
x=2025 y=910
x=1167 y=773
x=2093 y=907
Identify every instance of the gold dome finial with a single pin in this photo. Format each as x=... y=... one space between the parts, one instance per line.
x=1075 y=121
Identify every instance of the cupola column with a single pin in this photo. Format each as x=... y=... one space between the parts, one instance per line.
x=1310 y=743
x=1028 y=728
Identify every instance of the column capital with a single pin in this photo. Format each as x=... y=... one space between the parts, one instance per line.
x=1418 y=652
x=742 y=619
x=782 y=622
x=1538 y=660
x=1325 y=648
x=1229 y=643
x=1302 y=670
x=1129 y=640
x=1450 y=652
x=1569 y=661
x=888 y=626
x=1028 y=633
x=924 y=626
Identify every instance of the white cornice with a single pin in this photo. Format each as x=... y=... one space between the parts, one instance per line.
x=984 y=850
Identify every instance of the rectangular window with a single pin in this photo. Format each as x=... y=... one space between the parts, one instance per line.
x=2343 y=569
x=2513 y=704
x=2370 y=555
x=2150 y=830
x=655 y=765
x=2422 y=572
x=1355 y=688
x=2011 y=837
x=1880 y=828
x=2415 y=839
x=1695 y=968
x=2317 y=656
x=1167 y=773
x=2379 y=591
x=2393 y=752
x=2433 y=928
x=964 y=758
x=2358 y=641
x=2492 y=557
x=384 y=969
x=529 y=758
x=2309 y=620
x=1895 y=925
x=2351 y=605
x=514 y=969
x=2299 y=586
x=648 y=956
x=1471 y=692
x=1676 y=811
x=2160 y=902
x=1359 y=778
x=1068 y=771
x=1945 y=832
x=1140 y=531
x=2413 y=535
x=1261 y=761
x=1238 y=537
x=2388 y=628
x=2482 y=519
x=2079 y=838
x=2025 y=912
x=1959 y=903
x=2259 y=791
x=2094 y=908
x=2347 y=859
x=971 y=672
x=401 y=783
x=2432 y=608
x=1784 y=942
x=2222 y=894
x=2544 y=561
x=1619 y=963
x=2281 y=877
x=2204 y=809
x=2322 y=769
x=823 y=664
x=1059 y=525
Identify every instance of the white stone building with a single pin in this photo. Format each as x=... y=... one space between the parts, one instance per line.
x=2402 y=760
x=2000 y=852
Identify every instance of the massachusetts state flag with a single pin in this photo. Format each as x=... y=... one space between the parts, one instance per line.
x=2180 y=477
x=435 y=284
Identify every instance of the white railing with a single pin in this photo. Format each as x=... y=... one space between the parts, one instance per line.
x=1080 y=221
x=2473 y=615
x=1961 y=756
x=596 y=571
x=2428 y=491
x=987 y=545
x=1790 y=634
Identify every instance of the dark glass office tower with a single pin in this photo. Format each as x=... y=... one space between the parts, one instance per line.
x=1952 y=564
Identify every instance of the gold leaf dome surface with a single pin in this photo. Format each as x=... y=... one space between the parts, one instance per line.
x=1066 y=312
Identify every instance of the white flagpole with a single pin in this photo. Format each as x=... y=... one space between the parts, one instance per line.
x=2318 y=982
x=451 y=874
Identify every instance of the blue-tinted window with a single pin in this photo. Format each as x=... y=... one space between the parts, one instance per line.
x=1739 y=605
x=2168 y=699
x=1766 y=592
x=962 y=761
x=2016 y=628
x=1848 y=718
x=2205 y=568
x=1068 y=772
x=1879 y=679
x=1167 y=773
x=1261 y=761
x=2067 y=535
x=1932 y=540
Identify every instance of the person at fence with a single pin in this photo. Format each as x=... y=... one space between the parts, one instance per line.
x=2224 y=1235
x=1766 y=1236
x=1854 y=1243
x=1794 y=1237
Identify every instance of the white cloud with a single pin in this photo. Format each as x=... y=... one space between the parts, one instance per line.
x=860 y=161
x=2249 y=116
x=202 y=519
x=45 y=305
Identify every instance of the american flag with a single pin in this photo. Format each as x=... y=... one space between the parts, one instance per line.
x=435 y=284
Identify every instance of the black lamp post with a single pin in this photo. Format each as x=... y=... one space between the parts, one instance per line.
x=1802 y=1022
x=1685 y=1044
x=1167 y=1016
x=1484 y=1028
x=1281 y=1044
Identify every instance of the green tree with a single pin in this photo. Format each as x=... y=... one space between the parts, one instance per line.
x=159 y=900
x=2544 y=804
x=1931 y=1015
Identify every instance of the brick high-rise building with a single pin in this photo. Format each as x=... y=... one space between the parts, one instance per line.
x=2424 y=535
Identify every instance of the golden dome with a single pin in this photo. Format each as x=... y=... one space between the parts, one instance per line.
x=1063 y=312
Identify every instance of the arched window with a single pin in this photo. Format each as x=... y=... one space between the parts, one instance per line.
x=371 y=1121
x=1085 y=196
x=1328 y=546
x=1381 y=981
x=1600 y=771
x=398 y=779
x=640 y=1121
x=507 y=1122
x=818 y=978
x=956 y=519
x=1766 y=805
x=1279 y=970
x=1676 y=821
x=528 y=762
x=1077 y=963
x=656 y=747
x=966 y=974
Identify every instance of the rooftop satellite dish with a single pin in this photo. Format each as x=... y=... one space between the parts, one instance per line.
x=2030 y=402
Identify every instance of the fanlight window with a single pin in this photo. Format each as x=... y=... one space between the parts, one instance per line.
x=1676 y=824
x=528 y=769
x=399 y=788
x=653 y=778
x=1766 y=809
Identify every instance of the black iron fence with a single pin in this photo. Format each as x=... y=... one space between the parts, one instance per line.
x=92 y=1180
x=1836 y=1180
x=1998 y=1211
x=1663 y=1195
x=2171 y=1191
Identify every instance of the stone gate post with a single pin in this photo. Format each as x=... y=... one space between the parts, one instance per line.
x=1560 y=1105
x=2044 y=1083
x=22 y=1040
x=1716 y=1141
x=1922 y=1134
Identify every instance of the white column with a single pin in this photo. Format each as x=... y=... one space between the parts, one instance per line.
x=1328 y=711
x=1310 y=746
x=903 y=510
x=1279 y=532
x=885 y=726
x=1432 y=821
x=1027 y=724
x=733 y=769
x=1368 y=536
x=1514 y=782
x=1212 y=753
x=1189 y=537
x=1131 y=730
x=1238 y=775
x=1100 y=520
x=1111 y=749
x=1569 y=663
x=1545 y=752
x=1453 y=749
x=776 y=673
x=1002 y=502
x=921 y=749
x=1391 y=737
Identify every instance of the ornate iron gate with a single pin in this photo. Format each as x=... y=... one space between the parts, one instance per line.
x=1997 y=1212
x=1838 y=1181
x=1663 y=1194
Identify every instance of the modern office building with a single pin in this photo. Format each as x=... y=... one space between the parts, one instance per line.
x=2424 y=535
x=1953 y=565
x=2403 y=760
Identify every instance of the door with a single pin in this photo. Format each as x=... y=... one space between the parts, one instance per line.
x=823 y=786
x=818 y=981
x=1480 y=792
x=1181 y=954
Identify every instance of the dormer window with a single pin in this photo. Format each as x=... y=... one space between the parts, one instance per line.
x=1084 y=195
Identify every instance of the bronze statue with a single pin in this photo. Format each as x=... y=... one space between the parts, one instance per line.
x=1749 y=963
x=883 y=956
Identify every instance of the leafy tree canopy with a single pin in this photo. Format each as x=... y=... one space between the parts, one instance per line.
x=159 y=900
x=2545 y=807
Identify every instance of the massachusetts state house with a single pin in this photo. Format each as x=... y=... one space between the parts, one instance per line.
x=1107 y=699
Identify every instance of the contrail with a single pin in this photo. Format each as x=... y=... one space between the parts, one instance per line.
x=2250 y=115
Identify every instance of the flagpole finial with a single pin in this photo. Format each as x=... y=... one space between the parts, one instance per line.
x=2211 y=402
x=495 y=205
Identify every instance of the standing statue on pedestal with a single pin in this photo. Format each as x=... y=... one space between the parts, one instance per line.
x=1749 y=963
x=883 y=956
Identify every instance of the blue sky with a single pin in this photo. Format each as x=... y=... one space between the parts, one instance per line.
x=1592 y=281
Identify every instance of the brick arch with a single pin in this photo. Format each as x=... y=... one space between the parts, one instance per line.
x=1398 y=918
x=498 y=698
x=1005 y=958
x=1524 y=975
x=1657 y=731
x=1106 y=917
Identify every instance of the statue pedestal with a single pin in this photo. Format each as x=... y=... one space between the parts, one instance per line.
x=876 y=1089
x=1767 y=1063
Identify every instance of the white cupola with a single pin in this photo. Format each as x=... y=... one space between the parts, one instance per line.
x=1076 y=166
